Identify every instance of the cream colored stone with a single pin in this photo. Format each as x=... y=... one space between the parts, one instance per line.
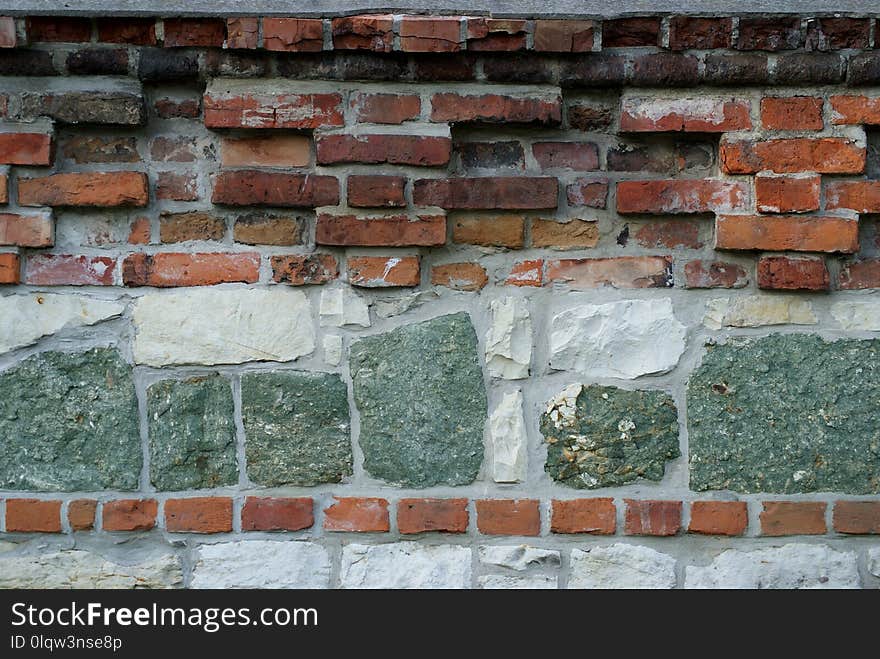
x=757 y=311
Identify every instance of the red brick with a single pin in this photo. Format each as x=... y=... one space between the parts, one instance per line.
x=372 y=191
x=420 y=34
x=855 y=110
x=25 y=149
x=129 y=515
x=857 y=517
x=719 y=517
x=26 y=230
x=369 y=32
x=587 y=192
x=81 y=514
x=85 y=189
x=302 y=269
x=860 y=275
x=860 y=196
x=792 y=113
x=282 y=110
x=266 y=151
x=596 y=516
x=242 y=33
x=176 y=187
x=769 y=33
x=427 y=515
x=4 y=189
x=495 y=108
x=187 y=32
x=385 y=108
x=500 y=192
x=246 y=188
x=199 y=515
x=781 y=233
x=8 y=37
x=565 y=36
x=420 y=150
x=383 y=271
x=573 y=234
x=671 y=234
x=680 y=196
x=619 y=272
x=714 y=274
x=793 y=518
x=581 y=156
x=590 y=115
x=33 y=516
x=133 y=31
x=69 y=270
x=357 y=514
x=826 y=155
x=691 y=32
x=836 y=33
x=489 y=230
x=459 y=276
x=10 y=268
x=100 y=149
x=652 y=517
x=508 y=516
x=381 y=231
x=268 y=229
x=169 y=269
x=628 y=32
x=526 y=273
x=174 y=149
x=195 y=225
x=277 y=514
x=805 y=273
x=494 y=34
x=787 y=194
x=59 y=29
x=691 y=115
x=293 y=34
x=167 y=108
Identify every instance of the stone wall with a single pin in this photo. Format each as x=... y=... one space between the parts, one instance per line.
x=418 y=301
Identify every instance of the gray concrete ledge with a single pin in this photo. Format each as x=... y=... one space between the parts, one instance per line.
x=521 y=8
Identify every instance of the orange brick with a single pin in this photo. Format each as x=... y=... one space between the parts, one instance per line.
x=826 y=155
x=855 y=110
x=857 y=517
x=399 y=230
x=780 y=233
x=293 y=34
x=102 y=189
x=33 y=516
x=804 y=273
x=526 y=273
x=787 y=194
x=459 y=276
x=703 y=115
x=596 y=516
x=10 y=268
x=719 y=517
x=652 y=517
x=25 y=149
x=680 y=196
x=859 y=275
x=199 y=515
x=489 y=230
x=421 y=34
x=619 y=272
x=81 y=514
x=277 y=514
x=793 y=518
x=792 y=113
x=357 y=514
x=383 y=271
x=26 y=230
x=425 y=515
x=508 y=516
x=182 y=269
x=859 y=196
x=129 y=515
x=266 y=151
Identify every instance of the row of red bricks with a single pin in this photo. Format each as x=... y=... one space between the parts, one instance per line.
x=451 y=33
x=520 y=517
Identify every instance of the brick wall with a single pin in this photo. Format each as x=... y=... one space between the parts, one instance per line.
x=413 y=301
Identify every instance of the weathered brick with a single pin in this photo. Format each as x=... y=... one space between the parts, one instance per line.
x=277 y=514
x=665 y=70
x=573 y=234
x=177 y=187
x=738 y=69
x=428 y=515
x=795 y=69
x=98 y=61
x=787 y=194
x=190 y=32
x=769 y=34
x=247 y=187
x=680 y=196
x=714 y=274
x=587 y=192
x=670 y=234
x=4 y=189
x=421 y=34
x=580 y=156
x=495 y=34
x=385 y=108
x=381 y=231
x=827 y=155
x=10 y=268
x=628 y=32
x=128 y=30
x=158 y=65
x=105 y=189
x=793 y=518
x=383 y=271
x=26 y=230
x=26 y=62
x=169 y=108
x=81 y=514
x=357 y=514
x=59 y=29
x=495 y=108
x=860 y=196
x=129 y=515
x=237 y=63
x=242 y=33
x=489 y=230
x=619 y=272
x=176 y=149
x=266 y=151
x=855 y=110
x=293 y=34
x=691 y=32
x=459 y=67
x=99 y=149
x=652 y=517
x=781 y=233
x=508 y=516
x=8 y=37
x=520 y=68
x=589 y=116
x=858 y=275
x=33 y=516
x=459 y=276
x=595 y=516
x=564 y=36
x=69 y=270
x=85 y=107
x=499 y=192
x=719 y=518
x=194 y=225
x=302 y=269
x=198 y=515
x=792 y=113
x=526 y=273
x=344 y=65
x=491 y=155
x=369 y=32
x=694 y=115
x=268 y=229
x=281 y=110
x=829 y=33
x=419 y=150
x=857 y=517
x=373 y=191
x=180 y=269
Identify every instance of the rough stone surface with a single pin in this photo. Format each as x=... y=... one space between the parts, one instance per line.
x=513 y=582
x=624 y=339
x=621 y=566
x=791 y=566
x=192 y=434
x=757 y=311
x=507 y=432
x=261 y=564
x=422 y=402
x=519 y=557
x=69 y=421
x=405 y=565
x=786 y=413
x=342 y=306
x=333 y=349
x=874 y=561
x=296 y=427
x=204 y=326
x=857 y=315
x=509 y=339
x=83 y=569
x=24 y=319
x=605 y=436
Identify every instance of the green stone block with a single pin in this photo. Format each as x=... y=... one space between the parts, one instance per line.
x=69 y=421
x=422 y=402
x=296 y=427
x=192 y=434
x=605 y=436
x=786 y=414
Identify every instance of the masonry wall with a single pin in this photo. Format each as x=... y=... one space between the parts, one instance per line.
x=408 y=301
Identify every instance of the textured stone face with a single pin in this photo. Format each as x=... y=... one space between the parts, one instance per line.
x=786 y=413
x=68 y=421
x=519 y=557
x=261 y=564
x=605 y=436
x=405 y=565
x=192 y=434
x=621 y=566
x=757 y=311
x=296 y=428
x=511 y=582
x=507 y=432
x=509 y=340
x=83 y=569
x=422 y=402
